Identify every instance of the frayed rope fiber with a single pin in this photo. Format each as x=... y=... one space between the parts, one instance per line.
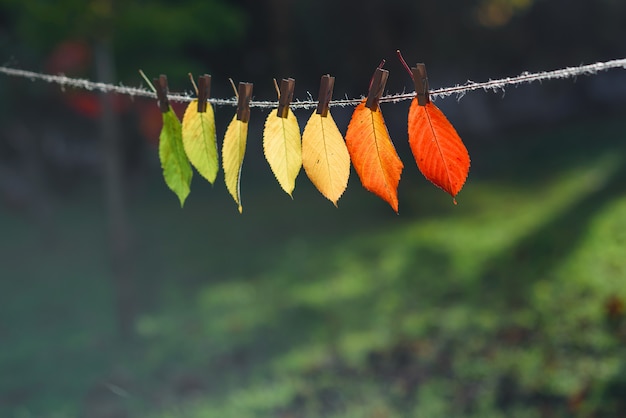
x=459 y=90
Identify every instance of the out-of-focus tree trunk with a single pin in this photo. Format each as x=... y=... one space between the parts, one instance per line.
x=280 y=31
x=119 y=227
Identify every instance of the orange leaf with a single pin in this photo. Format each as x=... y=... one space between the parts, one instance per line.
x=438 y=150
x=373 y=155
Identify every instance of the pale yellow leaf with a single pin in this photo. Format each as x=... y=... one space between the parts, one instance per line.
x=199 y=140
x=233 y=150
x=283 y=148
x=325 y=156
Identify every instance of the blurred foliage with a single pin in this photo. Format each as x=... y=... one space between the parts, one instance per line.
x=511 y=304
x=258 y=40
x=144 y=33
x=494 y=13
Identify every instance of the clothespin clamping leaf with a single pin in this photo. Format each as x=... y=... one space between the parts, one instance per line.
x=421 y=84
x=203 y=92
x=377 y=87
x=327 y=84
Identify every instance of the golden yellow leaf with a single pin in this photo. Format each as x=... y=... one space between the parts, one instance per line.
x=283 y=148
x=325 y=156
x=233 y=150
x=199 y=140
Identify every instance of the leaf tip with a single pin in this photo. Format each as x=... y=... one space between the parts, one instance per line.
x=394 y=203
x=240 y=209
x=182 y=196
x=288 y=190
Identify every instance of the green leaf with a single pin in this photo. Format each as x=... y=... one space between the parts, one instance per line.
x=176 y=168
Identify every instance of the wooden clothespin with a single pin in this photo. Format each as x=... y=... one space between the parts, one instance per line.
x=326 y=93
x=287 y=85
x=244 y=95
x=204 y=90
x=421 y=84
x=377 y=86
x=160 y=85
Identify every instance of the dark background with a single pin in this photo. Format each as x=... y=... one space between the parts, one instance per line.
x=115 y=302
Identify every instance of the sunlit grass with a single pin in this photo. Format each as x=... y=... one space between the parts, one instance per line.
x=282 y=311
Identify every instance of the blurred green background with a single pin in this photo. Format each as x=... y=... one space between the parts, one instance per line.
x=115 y=302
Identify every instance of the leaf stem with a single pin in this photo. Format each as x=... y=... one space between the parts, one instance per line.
x=193 y=82
x=147 y=81
x=232 y=83
x=277 y=88
x=406 y=66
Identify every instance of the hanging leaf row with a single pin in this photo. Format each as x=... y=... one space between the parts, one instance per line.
x=438 y=150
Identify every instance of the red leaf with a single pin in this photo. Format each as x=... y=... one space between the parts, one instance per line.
x=438 y=150
x=373 y=154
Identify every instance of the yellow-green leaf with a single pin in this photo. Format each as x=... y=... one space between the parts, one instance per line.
x=176 y=169
x=283 y=148
x=325 y=156
x=233 y=150
x=199 y=140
